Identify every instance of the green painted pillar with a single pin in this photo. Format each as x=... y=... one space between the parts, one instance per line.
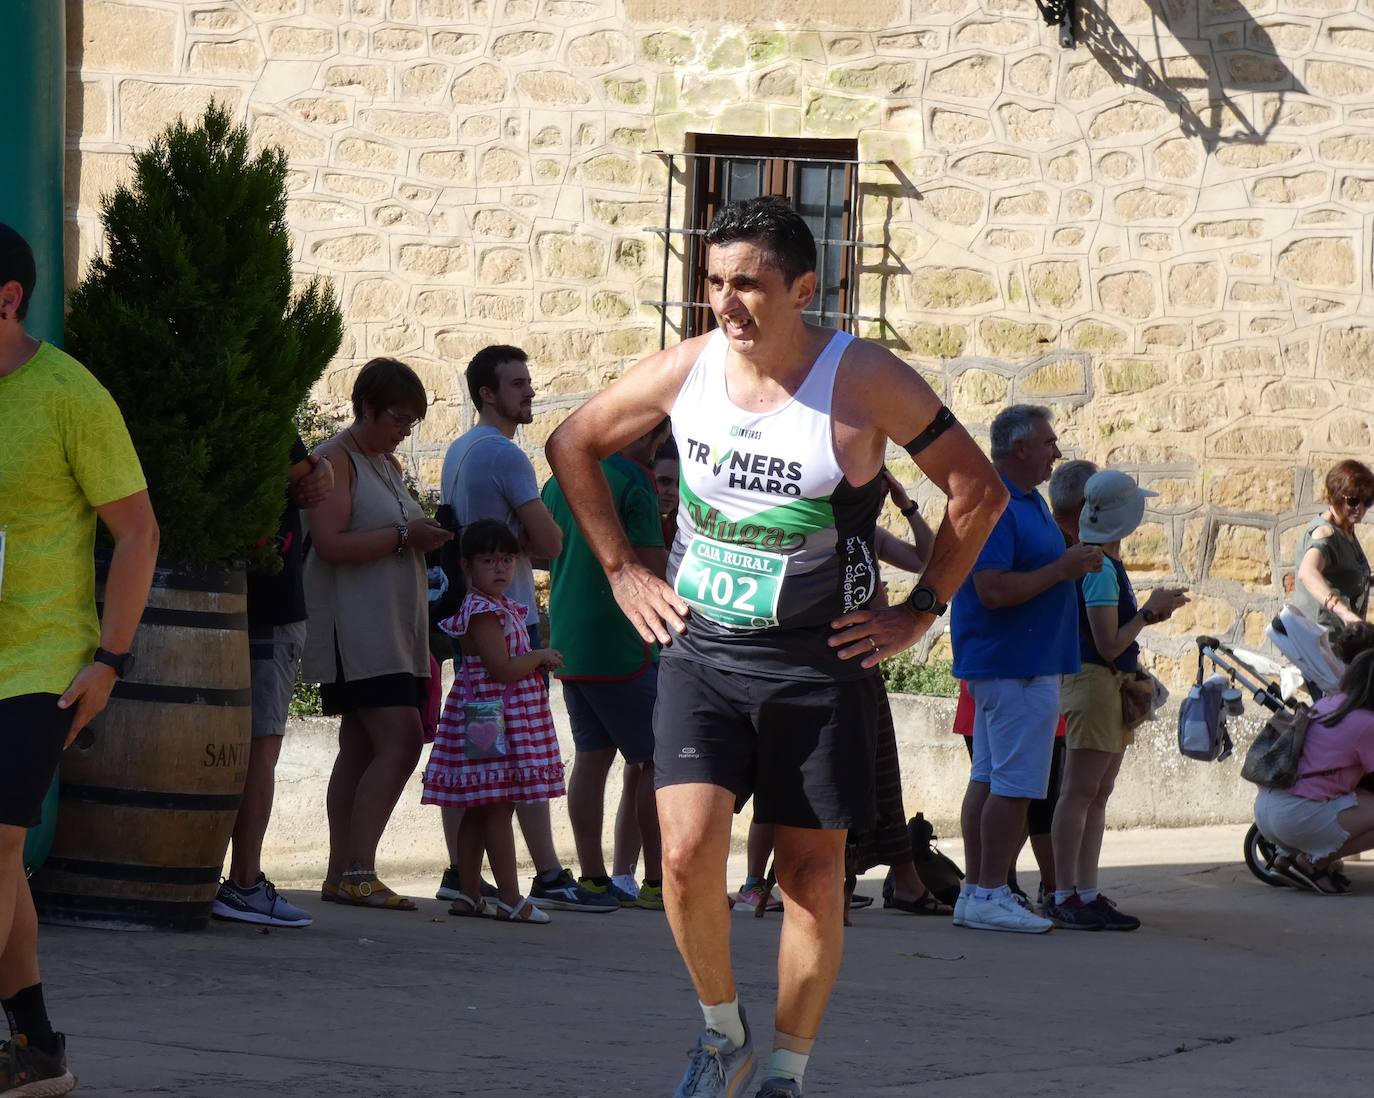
x=33 y=85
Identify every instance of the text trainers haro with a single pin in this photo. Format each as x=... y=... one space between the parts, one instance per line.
x=1002 y=912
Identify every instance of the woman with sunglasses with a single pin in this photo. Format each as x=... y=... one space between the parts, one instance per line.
x=1332 y=585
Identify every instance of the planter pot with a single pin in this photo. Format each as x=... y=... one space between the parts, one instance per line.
x=148 y=798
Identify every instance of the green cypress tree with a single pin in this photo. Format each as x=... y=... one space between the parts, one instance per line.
x=190 y=321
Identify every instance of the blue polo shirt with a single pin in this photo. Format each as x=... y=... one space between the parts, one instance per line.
x=1039 y=637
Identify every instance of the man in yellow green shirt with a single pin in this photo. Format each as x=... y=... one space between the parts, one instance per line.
x=66 y=459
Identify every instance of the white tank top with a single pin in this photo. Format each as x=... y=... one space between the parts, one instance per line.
x=773 y=543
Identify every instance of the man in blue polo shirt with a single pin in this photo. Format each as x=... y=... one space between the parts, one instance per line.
x=1014 y=627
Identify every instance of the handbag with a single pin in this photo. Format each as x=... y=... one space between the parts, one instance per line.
x=484 y=724
x=1137 y=698
x=1272 y=760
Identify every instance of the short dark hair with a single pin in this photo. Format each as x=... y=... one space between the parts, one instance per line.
x=488 y=536
x=773 y=223
x=1351 y=479
x=385 y=383
x=1355 y=638
x=17 y=265
x=668 y=451
x=481 y=371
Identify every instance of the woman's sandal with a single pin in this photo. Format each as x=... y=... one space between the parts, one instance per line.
x=1299 y=870
x=522 y=911
x=925 y=904
x=465 y=907
x=370 y=892
x=329 y=892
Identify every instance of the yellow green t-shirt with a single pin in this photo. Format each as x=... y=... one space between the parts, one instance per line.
x=64 y=451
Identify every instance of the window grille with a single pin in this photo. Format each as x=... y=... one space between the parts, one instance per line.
x=821 y=181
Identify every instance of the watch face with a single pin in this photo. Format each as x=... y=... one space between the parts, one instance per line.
x=923 y=598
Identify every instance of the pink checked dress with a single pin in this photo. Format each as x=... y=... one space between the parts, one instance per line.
x=532 y=769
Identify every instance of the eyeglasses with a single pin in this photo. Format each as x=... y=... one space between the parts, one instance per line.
x=1357 y=501
x=402 y=421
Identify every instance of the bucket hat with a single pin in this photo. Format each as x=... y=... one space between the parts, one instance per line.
x=1113 y=505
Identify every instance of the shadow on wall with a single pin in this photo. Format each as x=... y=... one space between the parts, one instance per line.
x=1227 y=53
x=75 y=125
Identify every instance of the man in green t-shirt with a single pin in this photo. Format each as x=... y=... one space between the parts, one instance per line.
x=609 y=675
x=66 y=459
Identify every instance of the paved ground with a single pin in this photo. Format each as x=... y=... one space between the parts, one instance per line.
x=1231 y=988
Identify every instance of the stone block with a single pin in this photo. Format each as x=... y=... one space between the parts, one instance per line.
x=881 y=78
x=361 y=153
x=524 y=45
x=1340 y=79
x=241 y=57
x=483 y=84
x=302 y=43
x=1013 y=339
x=1131 y=119
x=503 y=267
x=1146 y=551
x=599 y=49
x=1287 y=190
x=406 y=125
x=496 y=223
x=560 y=303
x=1241 y=554
x=1025 y=126
x=501 y=165
x=810 y=14
x=450 y=165
x=354 y=186
x=1093 y=335
x=375 y=299
x=373 y=79
x=950 y=127
x=297 y=144
x=88 y=109
x=1174 y=494
x=1320 y=263
x=927 y=340
x=433 y=260
x=1206 y=614
x=1195 y=285
x=91 y=176
x=1348 y=434
x=121 y=37
x=631 y=92
x=500 y=309
x=1151 y=204
x=570 y=256
x=609 y=169
x=1056 y=285
x=1000 y=35
x=1239 y=488
x=978 y=393
x=839 y=115
x=1249 y=363
x=1028 y=205
x=977 y=77
x=216 y=20
x=147 y=108
x=1033 y=75
x=321 y=211
x=1178 y=158
x=439 y=306
x=1012 y=241
x=1066 y=377
x=351 y=251
x=1118 y=165
x=990 y=167
x=455 y=44
x=936 y=287
x=1129 y=294
x=1133 y=375
x=961 y=206
x=551 y=88
x=1347 y=353
x=321 y=110
x=1252 y=440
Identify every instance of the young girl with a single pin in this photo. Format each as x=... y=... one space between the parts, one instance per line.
x=497 y=666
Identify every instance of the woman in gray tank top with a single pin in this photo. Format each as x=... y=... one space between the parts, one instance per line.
x=367 y=638
x=1332 y=583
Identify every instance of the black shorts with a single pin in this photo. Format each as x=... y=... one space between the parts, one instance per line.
x=33 y=732
x=804 y=750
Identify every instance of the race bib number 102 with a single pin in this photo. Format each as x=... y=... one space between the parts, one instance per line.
x=734 y=585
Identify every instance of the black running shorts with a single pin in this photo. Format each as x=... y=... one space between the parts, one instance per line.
x=804 y=750
x=33 y=732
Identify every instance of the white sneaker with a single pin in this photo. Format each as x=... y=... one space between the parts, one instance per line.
x=960 y=907
x=1003 y=913
x=626 y=883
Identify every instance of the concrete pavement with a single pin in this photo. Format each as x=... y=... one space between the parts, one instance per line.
x=1230 y=988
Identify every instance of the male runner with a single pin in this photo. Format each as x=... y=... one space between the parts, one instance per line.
x=769 y=684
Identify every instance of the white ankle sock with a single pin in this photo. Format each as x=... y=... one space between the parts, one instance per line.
x=992 y=893
x=1088 y=895
x=785 y=1064
x=967 y=889
x=1062 y=894
x=724 y=1019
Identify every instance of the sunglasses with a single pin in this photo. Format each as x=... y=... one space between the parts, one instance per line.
x=1357 y=501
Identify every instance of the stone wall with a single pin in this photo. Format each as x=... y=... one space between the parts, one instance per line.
x=1163 y=233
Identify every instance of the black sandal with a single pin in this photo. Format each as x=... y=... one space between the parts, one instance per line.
x=926 y=904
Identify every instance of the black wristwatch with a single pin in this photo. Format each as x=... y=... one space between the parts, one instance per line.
x=909 y=510
x=121 y=664
x=925 y=601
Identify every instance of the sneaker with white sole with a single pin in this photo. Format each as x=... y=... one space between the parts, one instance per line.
x=961 y=909
x=1003 y=913
x=565 y=894
x=30 y=1071
x=627 y=884
x=260 y=904
x=719 y=1067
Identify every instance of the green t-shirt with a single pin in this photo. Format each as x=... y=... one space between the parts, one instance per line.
x=64 y=451
x=595 y=639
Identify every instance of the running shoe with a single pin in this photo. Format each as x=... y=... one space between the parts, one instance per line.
x=260 y=904
x=565 y=894
x=779 y=1088
x=961 y=909
x=449 y=888
x=650 y=897
x=1003 y=913
x=627 y=884
x=751 y=895
x=1074 y=914
x=33 y=1073
x=719 y=1068
x=1112 y=919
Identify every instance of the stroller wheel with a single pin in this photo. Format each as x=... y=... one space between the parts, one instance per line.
x=1259 y=857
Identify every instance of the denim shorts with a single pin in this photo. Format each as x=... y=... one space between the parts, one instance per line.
x=1013 y=734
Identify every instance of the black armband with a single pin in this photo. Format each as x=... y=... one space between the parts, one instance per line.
x=943 y=421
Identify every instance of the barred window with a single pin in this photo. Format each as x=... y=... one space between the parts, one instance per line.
x=820 y=178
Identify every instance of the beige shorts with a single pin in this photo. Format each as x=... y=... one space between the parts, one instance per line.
x=1091 y=702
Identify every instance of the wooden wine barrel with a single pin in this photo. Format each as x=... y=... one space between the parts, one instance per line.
x=149 y=798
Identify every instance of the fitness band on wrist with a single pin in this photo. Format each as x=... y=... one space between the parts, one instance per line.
x=943 y=421
x=909 y=510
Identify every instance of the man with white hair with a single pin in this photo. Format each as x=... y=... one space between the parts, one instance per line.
x=1014 y=627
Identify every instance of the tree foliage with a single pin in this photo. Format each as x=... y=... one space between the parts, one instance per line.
x=190 y=320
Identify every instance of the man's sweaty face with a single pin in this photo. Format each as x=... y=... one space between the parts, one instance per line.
x=746 y=291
